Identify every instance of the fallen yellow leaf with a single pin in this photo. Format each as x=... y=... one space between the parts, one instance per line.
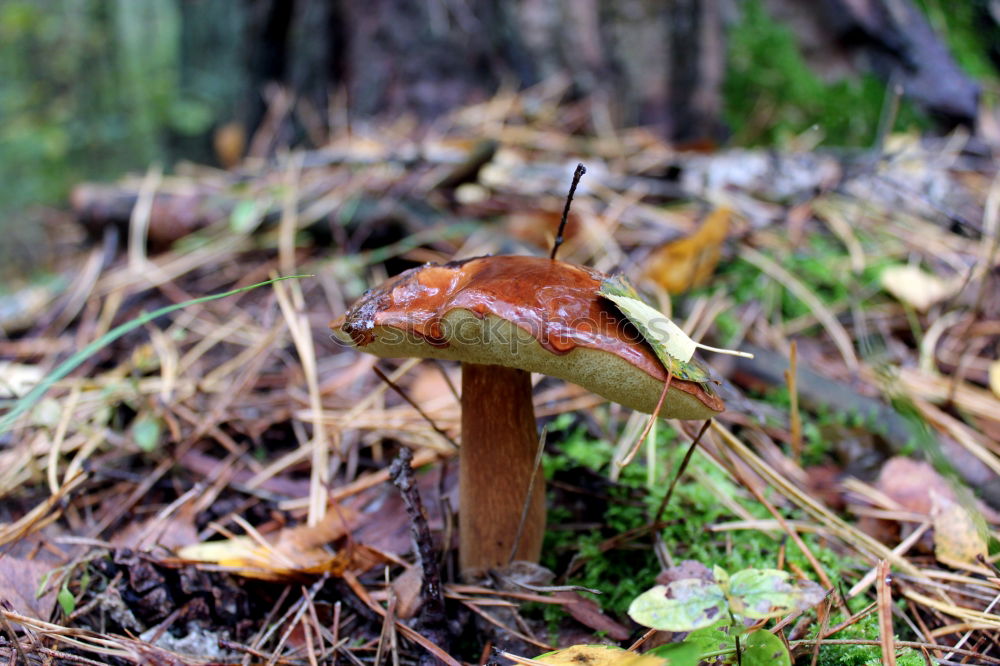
x=292 y=553
x=958 y=539
x=591 y=655
x=690 y=262
x=995 y=378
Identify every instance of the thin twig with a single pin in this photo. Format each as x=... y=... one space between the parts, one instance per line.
x=577 y=175
x=355 y=585
x=433 y=619
x=680 y=471
x=395 y=387
x=649 y=424
x=791 y=378
x=12 y=635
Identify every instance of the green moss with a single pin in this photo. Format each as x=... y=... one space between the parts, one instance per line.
x=820 y=263
x=622 y=573
x=770 y=93
x=863 y=655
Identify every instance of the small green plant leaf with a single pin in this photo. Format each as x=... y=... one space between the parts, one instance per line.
x=43 y=582
x=684 y=653
x=765 y=593
x=683 y=605
x=762 y=648
x=721 y=577
x=672 y=346
x=712 y=638
x=66 y=600
x=146 y=431
x=246 y=216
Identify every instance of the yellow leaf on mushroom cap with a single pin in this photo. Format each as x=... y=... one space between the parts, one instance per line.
x=672 y=345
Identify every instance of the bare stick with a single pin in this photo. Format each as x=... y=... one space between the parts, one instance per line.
x=680 y=471
x=577 y=175
x=432 y=613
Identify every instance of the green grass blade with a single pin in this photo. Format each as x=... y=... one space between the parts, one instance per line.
x=69 y=365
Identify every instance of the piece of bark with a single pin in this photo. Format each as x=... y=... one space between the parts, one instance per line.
x=171 y=216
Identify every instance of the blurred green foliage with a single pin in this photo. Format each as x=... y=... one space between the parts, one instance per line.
x=971 y=39
x=770 y=93
x=84 y=89
x=821 y=262
x=92 y=88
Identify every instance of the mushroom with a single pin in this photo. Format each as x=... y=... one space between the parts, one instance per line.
x=504 y=317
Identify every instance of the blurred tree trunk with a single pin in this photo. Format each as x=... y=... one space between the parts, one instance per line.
x=641 y=61
x=658 y=63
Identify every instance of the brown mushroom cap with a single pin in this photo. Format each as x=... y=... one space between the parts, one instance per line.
x=532 y=313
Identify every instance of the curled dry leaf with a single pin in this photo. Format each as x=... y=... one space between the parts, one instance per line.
x=911 y=483
x=690 y=262
x=958 y=536
x=588 y=613
x=296 y=551
x=20 y=584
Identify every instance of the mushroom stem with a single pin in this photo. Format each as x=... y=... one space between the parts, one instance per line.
x=499 y=443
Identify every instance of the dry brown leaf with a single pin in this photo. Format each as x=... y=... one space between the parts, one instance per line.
x=19 y=584
x=690 y=262
x=539 y=226
x=995 y=378
x=407 y=587
x=294 y=551
x=911 y=482
x=915 y=286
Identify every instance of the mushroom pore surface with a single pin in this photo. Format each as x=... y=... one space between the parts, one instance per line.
x=536 y=314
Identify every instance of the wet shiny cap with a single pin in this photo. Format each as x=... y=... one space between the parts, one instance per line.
x=532 y=313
